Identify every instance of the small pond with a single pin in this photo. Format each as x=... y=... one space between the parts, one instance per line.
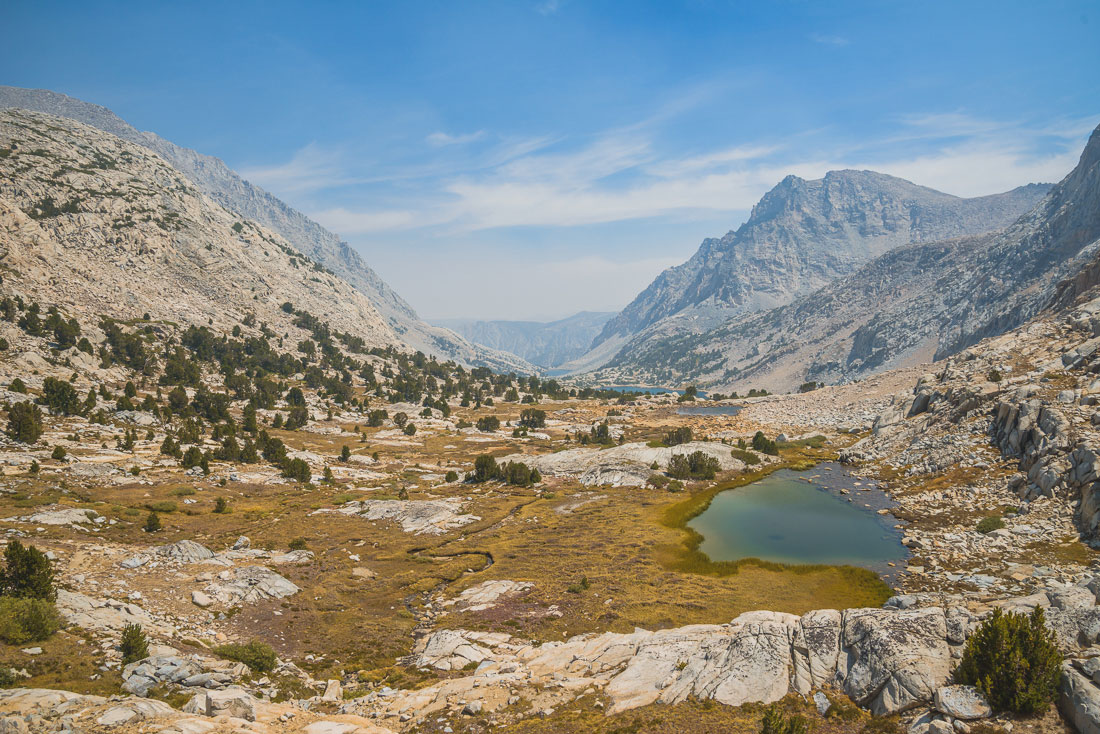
x=822 y=515
x=708 y=410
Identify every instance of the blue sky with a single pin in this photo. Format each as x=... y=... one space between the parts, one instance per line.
x=530 y=159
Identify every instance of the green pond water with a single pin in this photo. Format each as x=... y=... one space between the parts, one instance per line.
x=802 y=517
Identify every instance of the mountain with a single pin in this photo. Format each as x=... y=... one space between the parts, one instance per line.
x=802 y=235
x=546 y=344
x=914 y=304
x=98 y=225
x=211 y=176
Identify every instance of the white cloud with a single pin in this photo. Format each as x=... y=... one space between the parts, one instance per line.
x=311 y=168
x=440 y=139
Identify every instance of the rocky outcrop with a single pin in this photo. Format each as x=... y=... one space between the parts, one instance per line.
x=248 y=585
x=430 y=517
x=888 y=660
x=628 y=465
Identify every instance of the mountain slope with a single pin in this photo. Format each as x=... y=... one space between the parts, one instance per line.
x=547 y=344
x=223 y=185
x=98 y=225
x=913 y=304
x=803 y=234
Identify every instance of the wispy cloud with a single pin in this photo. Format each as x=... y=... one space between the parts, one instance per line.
x=310 y=169
x=442 y=138
x=548 y=7
x=625 y=174
x=826 y=39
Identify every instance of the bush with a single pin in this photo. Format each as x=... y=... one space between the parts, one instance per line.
x=152 y=523
x=27 y=573
x=1012 y=658
x=298 y=544
x=696 y=465
x=660 y=481
x=410 y=429
x=25 y=422
x=995 y=375
x=58 y=453
x=989 y=524
x=24 y=620
x=485 y=468
x=345 y=452
x=164 y=506
x=677 y=436
x=488 y=424
x=452 y=476
x=764 y=445
x=221 y=505
x=60 y=396
x=18 y=385
x=134 y=646
x=296 y=469
x=748 y=457
x=532 y=418
x=256 y=655
x=775 y=722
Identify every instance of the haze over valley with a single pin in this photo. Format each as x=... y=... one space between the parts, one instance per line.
x=550 y=367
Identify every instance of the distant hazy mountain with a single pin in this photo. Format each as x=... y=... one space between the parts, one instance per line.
x=915 y=303
x=546 y=344
x=799 y=237
x=224 y=186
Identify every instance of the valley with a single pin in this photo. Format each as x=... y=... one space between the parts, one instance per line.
x=257 y=505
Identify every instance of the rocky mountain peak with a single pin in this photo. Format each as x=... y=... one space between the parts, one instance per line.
x=800 y=236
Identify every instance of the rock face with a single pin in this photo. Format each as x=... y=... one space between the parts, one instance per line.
x=249 y=584
x=216 y=180
x=804 y=234
x=914 y=303
x=888 y=660
x=95 y=224
x=431 y=517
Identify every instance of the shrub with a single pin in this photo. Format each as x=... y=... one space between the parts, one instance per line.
x=296 y=469
x=677 y=436
x=345 y=453
x=533 y=418
x=134 y=646
x=989 y=524
x=24 y=620
x=764 y=445
x=256 y=655
x=660 y=481
x=58 y=453
x=452 y=476
x=18 y=385
x=161 y=506
x=696 y=465
x=221 y=505
x=152 y=523
x=578 y=587
x=1012 y=658
x=60 y=396
x=25 y=422
x=410 y=429
x=485 y=468
x=995 y=375
x=488 y=424
x=27 y=573
x=776 y=722
x=748 y=457
x=298 y=544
